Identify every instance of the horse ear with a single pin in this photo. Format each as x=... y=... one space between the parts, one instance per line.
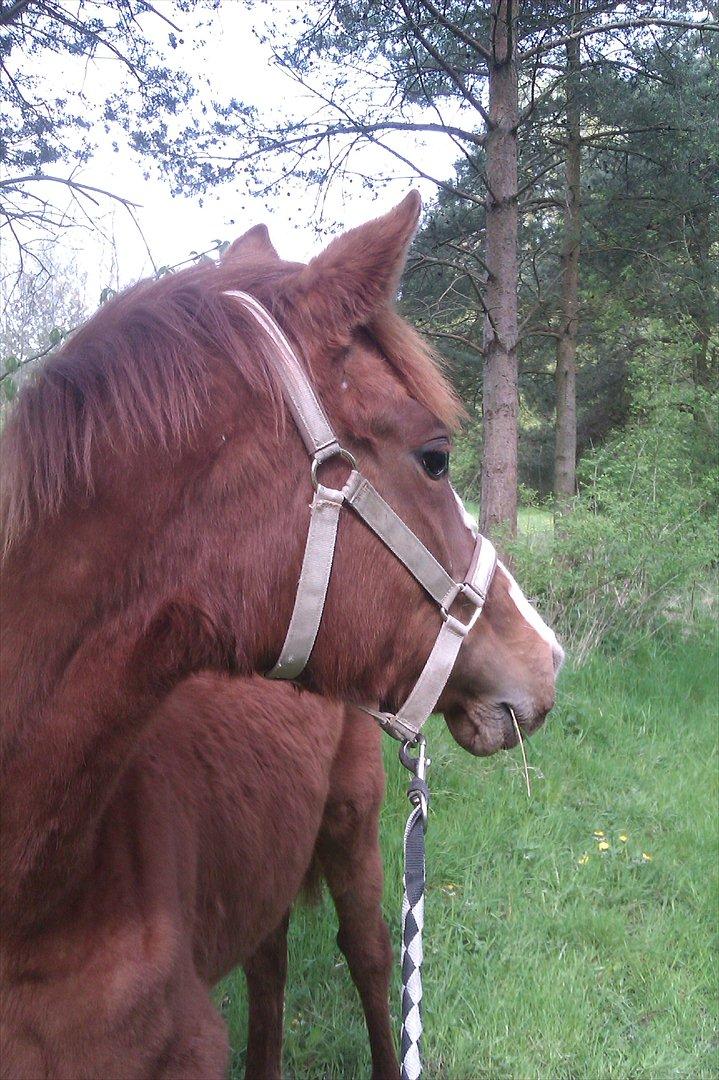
x=360 y=271
x=255 y=243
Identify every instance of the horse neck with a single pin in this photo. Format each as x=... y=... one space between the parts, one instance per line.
x=89 y=650
x=105 y=610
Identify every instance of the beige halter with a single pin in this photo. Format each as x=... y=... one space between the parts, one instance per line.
x=322 y=444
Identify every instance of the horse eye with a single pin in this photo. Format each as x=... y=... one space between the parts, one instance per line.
x=435 y=463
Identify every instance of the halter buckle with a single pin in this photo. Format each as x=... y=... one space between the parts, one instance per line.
x=455 y=624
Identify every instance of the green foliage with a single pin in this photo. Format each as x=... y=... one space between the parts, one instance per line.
x=546 y=956
x=142 y=91
x=649 y=206
x=527 y=497
x=466 y=458
x=639 y=547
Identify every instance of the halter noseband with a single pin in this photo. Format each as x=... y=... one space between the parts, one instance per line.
x=322 y=444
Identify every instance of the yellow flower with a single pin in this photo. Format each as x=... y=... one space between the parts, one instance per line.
x=598 y=832
x=584 y=859
x=603 y=845
x=624 y=838
x=646 y=856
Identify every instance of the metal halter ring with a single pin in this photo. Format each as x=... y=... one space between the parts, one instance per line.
x=317 y=461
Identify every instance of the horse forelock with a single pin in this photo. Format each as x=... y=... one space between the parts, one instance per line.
x=140 y=372
x=418 y=366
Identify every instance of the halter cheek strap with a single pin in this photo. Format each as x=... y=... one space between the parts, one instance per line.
x=440 y=662
x=359 y=494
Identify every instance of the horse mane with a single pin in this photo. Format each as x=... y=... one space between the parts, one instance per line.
x=139 y=372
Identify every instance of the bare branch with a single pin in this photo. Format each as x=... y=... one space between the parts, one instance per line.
x=28 y=360
x=356 y=126
x=445 y=335
x=75 y=185
x=435 y=108
x=83 y=30
x=156 y=11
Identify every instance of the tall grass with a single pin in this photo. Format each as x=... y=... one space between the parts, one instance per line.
x=546 y=956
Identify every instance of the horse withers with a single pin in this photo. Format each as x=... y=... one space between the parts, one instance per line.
x=154 y=509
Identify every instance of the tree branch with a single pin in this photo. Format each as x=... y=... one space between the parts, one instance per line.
x=445 y=335
x=83 y=30
x=28 y=360
x=12 y=12
x=628 y=24
x=454 y=28
x=358 y=127
x=445 y=66
x=74 y=185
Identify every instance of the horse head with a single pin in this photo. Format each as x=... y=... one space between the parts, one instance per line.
x=385 y=398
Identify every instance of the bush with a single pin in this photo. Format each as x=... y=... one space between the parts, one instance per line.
x=467 y=458
x=638 y=549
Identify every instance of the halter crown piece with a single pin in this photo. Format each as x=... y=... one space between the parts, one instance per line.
x=357 y=493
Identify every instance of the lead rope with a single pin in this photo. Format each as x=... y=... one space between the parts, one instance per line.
x=413 y=910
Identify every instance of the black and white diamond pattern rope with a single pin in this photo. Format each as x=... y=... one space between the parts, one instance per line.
x=412 y=926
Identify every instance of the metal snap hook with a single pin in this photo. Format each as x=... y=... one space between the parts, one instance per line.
x=417 y=765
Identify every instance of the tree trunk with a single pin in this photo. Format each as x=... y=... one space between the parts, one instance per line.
x=565 y=375
x=702 y=304
x=500 y=398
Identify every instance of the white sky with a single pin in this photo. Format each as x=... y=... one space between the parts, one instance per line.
x=174 y=226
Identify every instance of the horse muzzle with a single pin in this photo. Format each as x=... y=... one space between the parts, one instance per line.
x=483 y=728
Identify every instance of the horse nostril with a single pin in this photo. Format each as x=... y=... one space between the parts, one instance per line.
x=557 y=657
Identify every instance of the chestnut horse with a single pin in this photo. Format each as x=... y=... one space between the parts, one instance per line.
x=154 y=508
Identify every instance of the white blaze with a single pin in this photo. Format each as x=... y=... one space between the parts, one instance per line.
x=530 y=615
x=467 y=518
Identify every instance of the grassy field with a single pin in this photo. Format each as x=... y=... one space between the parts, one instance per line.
x=534 y=523
x=547 y=956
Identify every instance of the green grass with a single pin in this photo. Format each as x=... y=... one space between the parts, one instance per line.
x=533 y=522
x=546 y=958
